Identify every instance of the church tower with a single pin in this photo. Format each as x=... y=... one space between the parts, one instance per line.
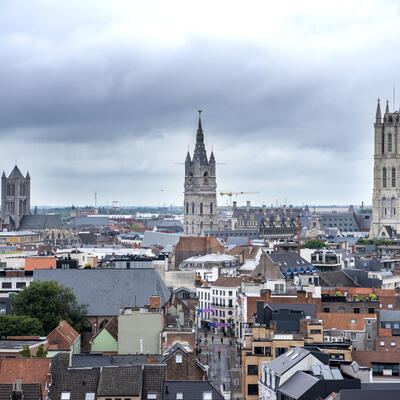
x=15 y=198
x=200 y=199
x=386 y=193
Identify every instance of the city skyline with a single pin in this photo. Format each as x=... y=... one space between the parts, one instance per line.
x=105 y=99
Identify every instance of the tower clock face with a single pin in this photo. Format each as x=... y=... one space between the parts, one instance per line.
x=190 y=179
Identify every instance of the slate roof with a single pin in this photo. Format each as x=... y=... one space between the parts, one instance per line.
x=120 y=381
x=357 y=394
x=77 y=381
x=105 y=291
x=389 y=315
x=298 y=385
x=102 y=360
x=166 y=240
x=16 y=174
x=192 y=390
x=41 y=222
x=283 y=363
x=290 y=260
x=30 y=391
x=335 y=279
x=153 y=380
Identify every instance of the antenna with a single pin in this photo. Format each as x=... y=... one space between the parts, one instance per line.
x=394 y=98
x=95 y=199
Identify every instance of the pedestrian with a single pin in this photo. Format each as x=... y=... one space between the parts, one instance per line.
x=200 y=340
x=219 y=354
x=212 y=339
x=222 y=340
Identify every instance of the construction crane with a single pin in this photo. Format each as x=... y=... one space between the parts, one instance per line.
x=230 y=194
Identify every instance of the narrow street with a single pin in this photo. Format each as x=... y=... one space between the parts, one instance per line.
x=224 y=372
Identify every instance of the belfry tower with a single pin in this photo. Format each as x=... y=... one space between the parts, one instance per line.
x=386 y=193
x=200 y=196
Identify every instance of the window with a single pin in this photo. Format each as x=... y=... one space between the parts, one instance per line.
x=279 y=351
x=192 y=208
x=353 y=321
x=258 y=351
x=230 y=293
x=315 y=331
x=369 y=336
x=385 y=368
x=353 y=336
x=390 y=306
x=387 y=325
x=326 y=309
x=384 y=177
x=393 y=344
x=207 y=395
x=201 y=208
x=89 y=396
x=356 y=310
x=382 y=343
x=6 y=285
x=179 y=396
x=252 y=370
x=178 y=358
x=369 y=322
x=152 y=396
x=211 y=208
x=393 y=177
x=390 y=143
x=371 y=310
x=383 y=142
x=187 y=208
x=65 y=395
x=252 y=390
x=21 y=285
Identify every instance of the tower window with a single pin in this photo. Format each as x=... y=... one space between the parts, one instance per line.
x=201 y=208
x=383 y=143
x=187 y=208
x=393 y=177
x=211 y=208
x=390 y=143
x=383 y=206
x=192 y=208
x=384 y=177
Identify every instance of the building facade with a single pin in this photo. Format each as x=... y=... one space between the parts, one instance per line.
x=385 y=198
x=200 y=196
x=15 y=198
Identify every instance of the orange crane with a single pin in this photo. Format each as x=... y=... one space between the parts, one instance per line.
x=230 y=194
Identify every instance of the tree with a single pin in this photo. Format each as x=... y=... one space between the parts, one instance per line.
x=50 y=303
x=25 y=352
x=41 y=353
x=314 y=244
x=20 y=325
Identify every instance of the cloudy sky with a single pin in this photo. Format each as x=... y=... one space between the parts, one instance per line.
x=101 y=96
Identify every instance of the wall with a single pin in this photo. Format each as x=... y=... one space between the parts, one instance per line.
x=140 y=327
x=177 y=279
x=32 y=263
x=104 y=342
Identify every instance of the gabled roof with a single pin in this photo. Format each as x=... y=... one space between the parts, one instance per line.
x=101 y=360
x=105 y=291
x=111 y=327
x=16 y=174
x=120 y=381
x=289 y=260
x=62 y=337
x=192 y=390
x=335 y=279
x=153 y=380
x=308 y=309
x=41 y=222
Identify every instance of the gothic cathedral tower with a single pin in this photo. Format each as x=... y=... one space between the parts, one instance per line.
x=386 y=193
x=200 y=199
x=15 y=198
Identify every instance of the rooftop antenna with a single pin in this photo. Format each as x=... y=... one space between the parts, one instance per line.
x=95 y=199
x=394 y=98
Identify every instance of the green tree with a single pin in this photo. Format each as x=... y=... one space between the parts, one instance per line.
x=41 y=353
x=50 y=303
x=20 y=325
x=314 y=244
x=25 y=352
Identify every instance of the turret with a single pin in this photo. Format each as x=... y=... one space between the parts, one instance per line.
x=387 y=108
x=378 y=113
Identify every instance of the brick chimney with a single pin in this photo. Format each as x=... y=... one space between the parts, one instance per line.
x=155 y=302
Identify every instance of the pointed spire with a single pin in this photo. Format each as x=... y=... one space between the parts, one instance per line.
x=27 y=175
x=387 y=107
x=3 y=176
x=200 y=135
x=188 y=159
x=212 y=158
x=378 y=113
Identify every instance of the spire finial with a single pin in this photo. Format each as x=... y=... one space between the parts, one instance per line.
x=378 y=113
x=200 y=111
x=387 y=107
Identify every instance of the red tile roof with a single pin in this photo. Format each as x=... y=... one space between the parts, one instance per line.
x=62 y=337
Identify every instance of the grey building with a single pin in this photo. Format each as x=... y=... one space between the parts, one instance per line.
x=15 y=198
x=200 y=196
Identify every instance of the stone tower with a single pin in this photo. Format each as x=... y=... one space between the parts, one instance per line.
x=15 y=198
x=386 y=193
x=200 y=199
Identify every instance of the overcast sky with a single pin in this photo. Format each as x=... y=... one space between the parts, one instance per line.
x=102 y=96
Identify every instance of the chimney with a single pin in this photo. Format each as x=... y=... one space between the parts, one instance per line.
x=247 y=205
x=234 y=205
x=264 y=208
x=155 y=302
x=16 y=393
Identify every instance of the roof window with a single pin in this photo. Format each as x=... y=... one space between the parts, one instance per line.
x=207 y=395
x=295 y=355
x=65 y=395
x=179 y=396
x=89 y=396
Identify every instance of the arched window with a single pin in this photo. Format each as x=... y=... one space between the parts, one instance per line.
x=201 y=208
x=384 y=207
x=384 y=177
x=211 y=226
x=393 y=177
x=211 y=208
x=187 y=207
x=206 y=179
x=192 y=226
x=201 y=227
x=192 y=208
x=390 y=143
x=392 y=206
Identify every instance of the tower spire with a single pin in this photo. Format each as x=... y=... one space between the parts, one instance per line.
x=378 y=113
x=387 y=107
x=200 y=135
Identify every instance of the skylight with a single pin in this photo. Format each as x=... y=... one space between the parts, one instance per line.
x=289 y=353
x=295 y=355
